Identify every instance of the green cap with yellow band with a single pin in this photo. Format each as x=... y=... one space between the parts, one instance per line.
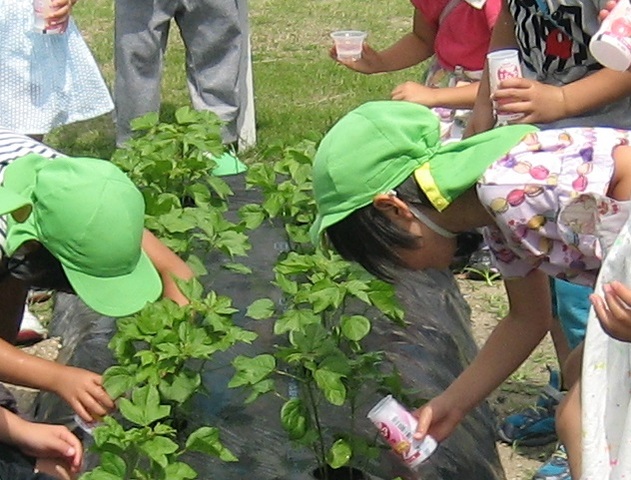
x=375 y=147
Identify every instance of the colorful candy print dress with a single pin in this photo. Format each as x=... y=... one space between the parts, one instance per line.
x=45 y=80
x=548 y=198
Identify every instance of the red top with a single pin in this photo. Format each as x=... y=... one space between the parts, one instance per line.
x=464 y=34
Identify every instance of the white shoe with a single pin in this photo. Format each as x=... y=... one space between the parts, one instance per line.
x=31 y=329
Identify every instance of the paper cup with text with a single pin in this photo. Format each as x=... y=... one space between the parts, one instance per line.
x=348 y=44
x=503 y=64
x=611 y=46
x=397 y=427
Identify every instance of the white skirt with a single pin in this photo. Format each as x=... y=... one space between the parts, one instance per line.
x=606 y=381
x=45 y=80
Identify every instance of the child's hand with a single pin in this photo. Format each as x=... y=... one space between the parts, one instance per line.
x=370 y=61
x=60 y=11
x=540 y=103
x=614 y=311
x=54 y=442
x=84 y=392
x=608 y=8
x=415 y=92
x=437 y=419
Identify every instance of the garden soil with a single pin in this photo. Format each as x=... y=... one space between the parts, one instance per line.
x=487 y=302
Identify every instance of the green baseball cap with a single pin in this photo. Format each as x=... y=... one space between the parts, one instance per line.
x=90 y=216
x=375 y=147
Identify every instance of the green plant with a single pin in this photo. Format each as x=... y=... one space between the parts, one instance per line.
x=161 y=352
x=172 y=163
x=486 y=274
x=325 y=316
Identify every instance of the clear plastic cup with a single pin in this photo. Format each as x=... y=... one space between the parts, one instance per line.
x=397 y=426
x=348 y=44
x=41 y=10
x=503 y=64
x=611 y=46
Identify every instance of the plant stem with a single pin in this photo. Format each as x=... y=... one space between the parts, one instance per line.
x=316 y=419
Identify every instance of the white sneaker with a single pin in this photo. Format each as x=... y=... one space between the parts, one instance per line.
x=31 y=329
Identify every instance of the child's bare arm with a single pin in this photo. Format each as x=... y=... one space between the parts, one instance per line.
x=508 y=346
x=168 y=265
x=503 y=36
x=541 y=103
x=409 y=50
x=81 y=389
x=450 y=97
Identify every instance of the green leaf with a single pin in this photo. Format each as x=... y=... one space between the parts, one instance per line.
x=339 y=454
x=179 y=471
x=158 y=449
x=355 y=327
x=206 y=440
x=182 y=387
x=330 y=383
x=145 y=122
x=114 y=464
x=260 y=388
x=144 y=407
x=237 y=267
x=198 y=267
x=261 y=309
x=295 y=320
x=100 y=474
x=117 y=380
x=251 y=370
x=293 y=417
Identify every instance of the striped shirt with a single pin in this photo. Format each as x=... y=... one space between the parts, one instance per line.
x=13 y=146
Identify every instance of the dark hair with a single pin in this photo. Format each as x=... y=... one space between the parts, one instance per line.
x=38 y=268
x=369 y=238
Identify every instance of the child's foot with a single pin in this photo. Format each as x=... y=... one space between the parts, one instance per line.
x=556 y=468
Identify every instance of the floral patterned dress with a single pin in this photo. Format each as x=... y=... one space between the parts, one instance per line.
x=548 y=197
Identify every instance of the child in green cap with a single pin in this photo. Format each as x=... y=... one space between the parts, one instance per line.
x=76 y=225
x=550 y=203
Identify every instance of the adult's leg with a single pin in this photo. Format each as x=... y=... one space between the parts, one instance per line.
x=211 y=30
x=140 y=39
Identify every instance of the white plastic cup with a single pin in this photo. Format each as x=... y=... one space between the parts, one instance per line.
x=41 y=10
x=397 y=426
x=611 y=46
x=87 y=427
x=348 y=44
x=503 y=64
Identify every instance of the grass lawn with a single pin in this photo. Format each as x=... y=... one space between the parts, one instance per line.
x=299 y=90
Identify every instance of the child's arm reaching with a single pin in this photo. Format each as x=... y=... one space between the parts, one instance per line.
x=81 y=389
x=508 y=346
x=450 y=97
x=409 y=50
x=541 y=103
x=55 y=443
x=168 y=265
x=614 y=310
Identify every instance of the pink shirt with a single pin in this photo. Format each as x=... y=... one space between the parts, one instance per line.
x=464 y=34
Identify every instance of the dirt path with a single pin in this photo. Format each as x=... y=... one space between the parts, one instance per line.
x=488 y=305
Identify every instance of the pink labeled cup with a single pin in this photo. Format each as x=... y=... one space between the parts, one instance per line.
x=41 y=10
x=503 y=64
x=397 y=426
x=611 y=46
